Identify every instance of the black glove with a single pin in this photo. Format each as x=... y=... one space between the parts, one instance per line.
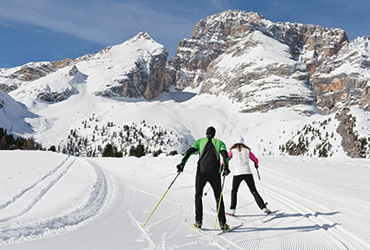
x=255 y=165
x=226 y=172
x=180 y=167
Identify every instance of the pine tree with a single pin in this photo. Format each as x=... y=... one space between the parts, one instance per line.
x=132 y=151
x=108 y=151
x=140 y=150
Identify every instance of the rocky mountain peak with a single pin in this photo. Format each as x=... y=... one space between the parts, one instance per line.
x=323 y=51
x=142 y=35
x=214 y=34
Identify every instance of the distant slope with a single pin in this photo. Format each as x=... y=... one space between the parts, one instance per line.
x=13 y=115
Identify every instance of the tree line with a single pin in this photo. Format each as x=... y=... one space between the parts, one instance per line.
x=9 y=142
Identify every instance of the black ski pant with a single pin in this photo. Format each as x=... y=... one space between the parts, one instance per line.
x=248 y=178
x=201 y=180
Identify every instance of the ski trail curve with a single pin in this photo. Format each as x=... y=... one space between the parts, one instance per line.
x=20 y=194
x=13 y=232
x=37 y=191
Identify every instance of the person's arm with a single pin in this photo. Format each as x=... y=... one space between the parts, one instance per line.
x=253 y=158
x=187 y=155
x=230 y=155
x=225 y=163
x=194 y=148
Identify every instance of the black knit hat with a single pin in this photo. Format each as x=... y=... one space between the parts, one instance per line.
x=211 y=131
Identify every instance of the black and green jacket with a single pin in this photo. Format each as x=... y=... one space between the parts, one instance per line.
x=210 y=150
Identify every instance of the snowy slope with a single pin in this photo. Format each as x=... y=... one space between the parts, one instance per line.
x=13 y=114
x=121 y=70
x=60 y=202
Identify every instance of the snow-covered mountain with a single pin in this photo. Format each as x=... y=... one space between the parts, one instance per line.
x=131 y=69
x=283 y=86
x=320 y=58
x=258 y=72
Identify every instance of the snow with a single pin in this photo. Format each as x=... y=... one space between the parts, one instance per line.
x=101 y=203
x=55 y=201
x=13 y=115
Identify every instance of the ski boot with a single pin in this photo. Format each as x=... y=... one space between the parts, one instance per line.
x=231 y=212
x=224 y=227
x=266 y=210
x=198 y=224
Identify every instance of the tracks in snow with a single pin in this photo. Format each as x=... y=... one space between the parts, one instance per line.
x=303 y=202
x=27 y=199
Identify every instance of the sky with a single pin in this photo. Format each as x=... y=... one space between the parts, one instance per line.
x=50 y=30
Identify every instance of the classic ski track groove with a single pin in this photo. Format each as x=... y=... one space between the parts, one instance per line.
x=20 y=194
x=41 y=188
x=300 y=242
x=90 y=209
x=335 y=231
x=336 y=236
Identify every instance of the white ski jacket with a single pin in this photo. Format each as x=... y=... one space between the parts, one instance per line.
x=239 y=161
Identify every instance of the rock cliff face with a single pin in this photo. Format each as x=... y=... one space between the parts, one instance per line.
x=344 y=78
x=141 y=74
x=324 y=52
x=258 y=72
x=354 y=146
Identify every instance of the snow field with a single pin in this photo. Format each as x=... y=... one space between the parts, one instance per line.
x=102 y=203
x=58 y=193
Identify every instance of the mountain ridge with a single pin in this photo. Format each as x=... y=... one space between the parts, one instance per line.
x=250 y=63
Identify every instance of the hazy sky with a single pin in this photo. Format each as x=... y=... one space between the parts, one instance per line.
x=49 y=30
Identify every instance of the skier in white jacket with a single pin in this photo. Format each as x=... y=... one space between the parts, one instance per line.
x=239 y=156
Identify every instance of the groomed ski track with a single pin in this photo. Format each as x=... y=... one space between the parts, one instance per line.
x=123 y=193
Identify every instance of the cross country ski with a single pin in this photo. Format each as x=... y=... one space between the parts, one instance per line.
x=196 y=228
x=230 y=229
x=232 y=216
x=272 y=213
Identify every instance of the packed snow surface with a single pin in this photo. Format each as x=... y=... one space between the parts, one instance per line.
x=54 y=201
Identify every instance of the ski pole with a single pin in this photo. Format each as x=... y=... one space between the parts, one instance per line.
x=219 y=202
x=258 y=173
x=205 y=194
x=263 y=190
x=160 y=200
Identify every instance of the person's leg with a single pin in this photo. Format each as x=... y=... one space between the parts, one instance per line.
x=200 y=182
x=252 y=187
x=215 y=181
x=234 y=191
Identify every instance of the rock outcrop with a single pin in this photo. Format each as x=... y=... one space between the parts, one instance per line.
x=258 y=71
x=352 y=144
x=323 y=51
x=344 y=78
x=55 y=93
x=137 y=69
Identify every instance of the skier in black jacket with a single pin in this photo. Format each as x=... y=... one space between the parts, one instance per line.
x=208 y=170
